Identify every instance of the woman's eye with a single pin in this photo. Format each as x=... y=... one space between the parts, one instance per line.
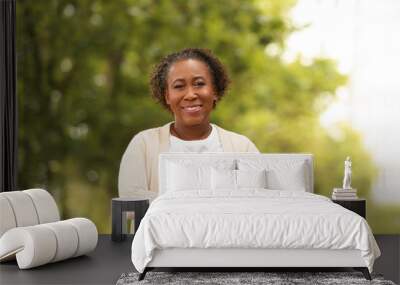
x=178 y=86
x=199 y=83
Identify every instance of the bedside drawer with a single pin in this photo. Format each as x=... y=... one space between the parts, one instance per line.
x=357 y=206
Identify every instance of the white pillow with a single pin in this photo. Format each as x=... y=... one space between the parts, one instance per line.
x=223 y=179
x=181 y=177
x=227 y=179
x=292 y=178
x=282 y=174
x=251 y=178
x=187 y=174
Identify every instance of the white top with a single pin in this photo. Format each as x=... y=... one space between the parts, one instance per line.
x=209 y=144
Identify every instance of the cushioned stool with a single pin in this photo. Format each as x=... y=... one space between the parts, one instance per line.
x=31 y=232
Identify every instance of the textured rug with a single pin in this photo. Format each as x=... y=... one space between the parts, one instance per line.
x=230 y=278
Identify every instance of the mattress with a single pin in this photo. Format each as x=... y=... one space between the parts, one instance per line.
x=251 y=219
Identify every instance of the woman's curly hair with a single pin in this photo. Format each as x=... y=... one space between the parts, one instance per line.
x=158 y=78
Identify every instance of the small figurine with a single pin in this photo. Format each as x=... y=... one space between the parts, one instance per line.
x=347 y=174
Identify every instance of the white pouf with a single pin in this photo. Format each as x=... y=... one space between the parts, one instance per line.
x=31 y=232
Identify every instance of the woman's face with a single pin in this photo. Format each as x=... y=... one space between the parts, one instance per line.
x=190 y=92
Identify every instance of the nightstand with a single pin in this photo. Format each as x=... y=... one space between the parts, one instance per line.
x=119 y=209
x=356 y=205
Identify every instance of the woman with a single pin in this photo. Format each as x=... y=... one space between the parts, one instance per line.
x=189 y=84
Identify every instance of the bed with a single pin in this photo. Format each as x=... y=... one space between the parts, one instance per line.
x=247 y=210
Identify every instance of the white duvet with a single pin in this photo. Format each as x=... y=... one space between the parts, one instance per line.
x=250 y=219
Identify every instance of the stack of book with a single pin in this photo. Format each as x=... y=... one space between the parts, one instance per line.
x=344 y=194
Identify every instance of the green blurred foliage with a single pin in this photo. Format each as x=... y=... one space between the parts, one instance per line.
x=83 y=69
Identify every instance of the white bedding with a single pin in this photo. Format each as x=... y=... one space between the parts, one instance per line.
x=250 y=219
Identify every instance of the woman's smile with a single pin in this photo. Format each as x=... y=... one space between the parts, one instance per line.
x=192 y=109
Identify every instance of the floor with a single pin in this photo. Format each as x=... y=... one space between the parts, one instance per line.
x=110 y=260
x=102 y=266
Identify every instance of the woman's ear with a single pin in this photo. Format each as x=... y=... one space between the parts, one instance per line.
x=215 y=99
x=166 y=96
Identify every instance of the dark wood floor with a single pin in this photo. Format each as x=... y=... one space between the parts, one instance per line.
x=110 y=260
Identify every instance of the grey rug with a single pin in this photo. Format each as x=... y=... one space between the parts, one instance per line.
x=230 y=278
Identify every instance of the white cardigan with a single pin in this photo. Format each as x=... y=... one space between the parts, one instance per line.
x=138 y=172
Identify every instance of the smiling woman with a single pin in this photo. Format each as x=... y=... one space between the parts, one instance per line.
x=189 y=84
x=190 y=96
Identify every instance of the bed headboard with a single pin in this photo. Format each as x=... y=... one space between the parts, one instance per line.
x=210 y=158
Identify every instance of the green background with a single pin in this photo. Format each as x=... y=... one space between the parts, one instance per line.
x=83 y=93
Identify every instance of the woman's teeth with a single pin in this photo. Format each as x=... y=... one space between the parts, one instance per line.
x=193 y=108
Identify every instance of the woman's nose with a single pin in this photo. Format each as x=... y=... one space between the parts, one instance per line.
x=190 y=94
